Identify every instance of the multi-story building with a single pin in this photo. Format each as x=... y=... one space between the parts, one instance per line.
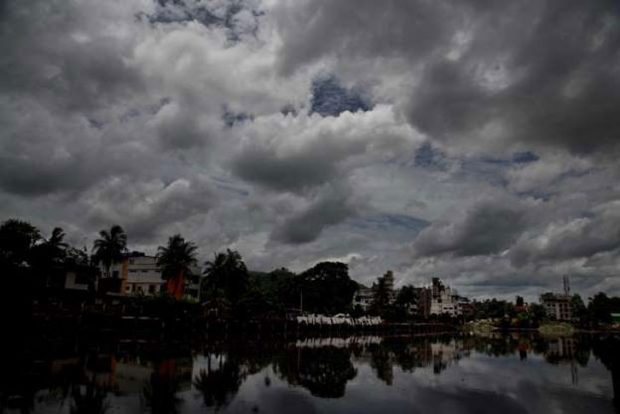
x=388 y=280
x=362 y=298
x=138 y=274
x=557 y=306
x=141 y=275
x=444 y=300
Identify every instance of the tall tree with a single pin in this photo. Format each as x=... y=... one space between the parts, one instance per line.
x=176 y=260
x=109 y=247
x=17 y=238
x=326 y=288
x=49 y=257
x=226 y=275
x=599 y=308
x=381 y=295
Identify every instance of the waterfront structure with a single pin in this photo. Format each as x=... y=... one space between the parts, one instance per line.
x=388 y=280
x=444 y=300
x=362 y=298
x=138 y=274
x=557 y=306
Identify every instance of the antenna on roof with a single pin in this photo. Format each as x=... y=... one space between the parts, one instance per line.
x=566 y=285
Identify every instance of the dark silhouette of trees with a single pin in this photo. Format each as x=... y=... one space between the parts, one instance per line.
x=92 y=400
x=110 y=247
x=160 y=392
x=326 y=288
x=599 y=308
x=176 y=260
x=322 y=371
x=218 y=387
x=49 y=257
x=380 y=297
x=226 y=277
x=17 y=238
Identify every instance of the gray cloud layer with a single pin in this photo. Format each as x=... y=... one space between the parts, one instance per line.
x=388 y=134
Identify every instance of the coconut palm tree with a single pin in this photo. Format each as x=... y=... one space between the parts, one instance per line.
x=49 y=256
x=109 y=248
x=175 y=260
x=226 y=275
x=55 y=246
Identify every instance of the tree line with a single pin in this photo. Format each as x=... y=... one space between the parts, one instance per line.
x=33 y=261
x=30 y=261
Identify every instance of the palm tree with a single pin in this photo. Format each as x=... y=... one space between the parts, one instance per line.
x=56 y=246
x=109 y=248
x=175 y=260
x=49 y=256
x=226 y=274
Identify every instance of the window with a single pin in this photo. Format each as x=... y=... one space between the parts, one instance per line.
x=115 y=274
x=152 y=288
x=128 y=288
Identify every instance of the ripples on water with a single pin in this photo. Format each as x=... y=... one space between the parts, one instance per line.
x=439 y=374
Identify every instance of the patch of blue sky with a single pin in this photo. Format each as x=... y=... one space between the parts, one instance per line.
x=231 y=118
x=330 y=98
x=175 y=11
x=428 y=156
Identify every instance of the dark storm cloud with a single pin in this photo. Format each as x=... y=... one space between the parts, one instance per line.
x=360 y=28
x=293 y=173
x=145 y=208
x=535 y=72
x=64 y=55
x=555 y=86
x=179 y=128
x=331 y=207
x=488 y=228
x=215 y=119
x=582 y=237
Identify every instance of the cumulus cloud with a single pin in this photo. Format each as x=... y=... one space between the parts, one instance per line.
x=330 y=206
x=488 y=228
x=470 y=140
x=583 y=237
x=295 y=153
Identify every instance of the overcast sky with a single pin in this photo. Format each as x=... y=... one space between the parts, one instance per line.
x=472 y=140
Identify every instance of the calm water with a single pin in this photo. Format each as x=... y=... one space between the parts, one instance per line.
x=504 y=374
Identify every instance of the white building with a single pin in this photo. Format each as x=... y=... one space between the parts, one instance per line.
x=140 y=275
x=444 y=300
x=557 y=306
x=362 y=298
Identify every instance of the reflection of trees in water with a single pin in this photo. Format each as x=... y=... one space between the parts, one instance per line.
x=160 y=391
x=219 y=386
x=89 y=399
x=81 y=383
x=381 y=361
x=233 y=361
x=607 y=350
x=323 y=371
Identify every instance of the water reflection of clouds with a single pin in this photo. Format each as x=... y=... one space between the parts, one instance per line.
x=436 y=375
